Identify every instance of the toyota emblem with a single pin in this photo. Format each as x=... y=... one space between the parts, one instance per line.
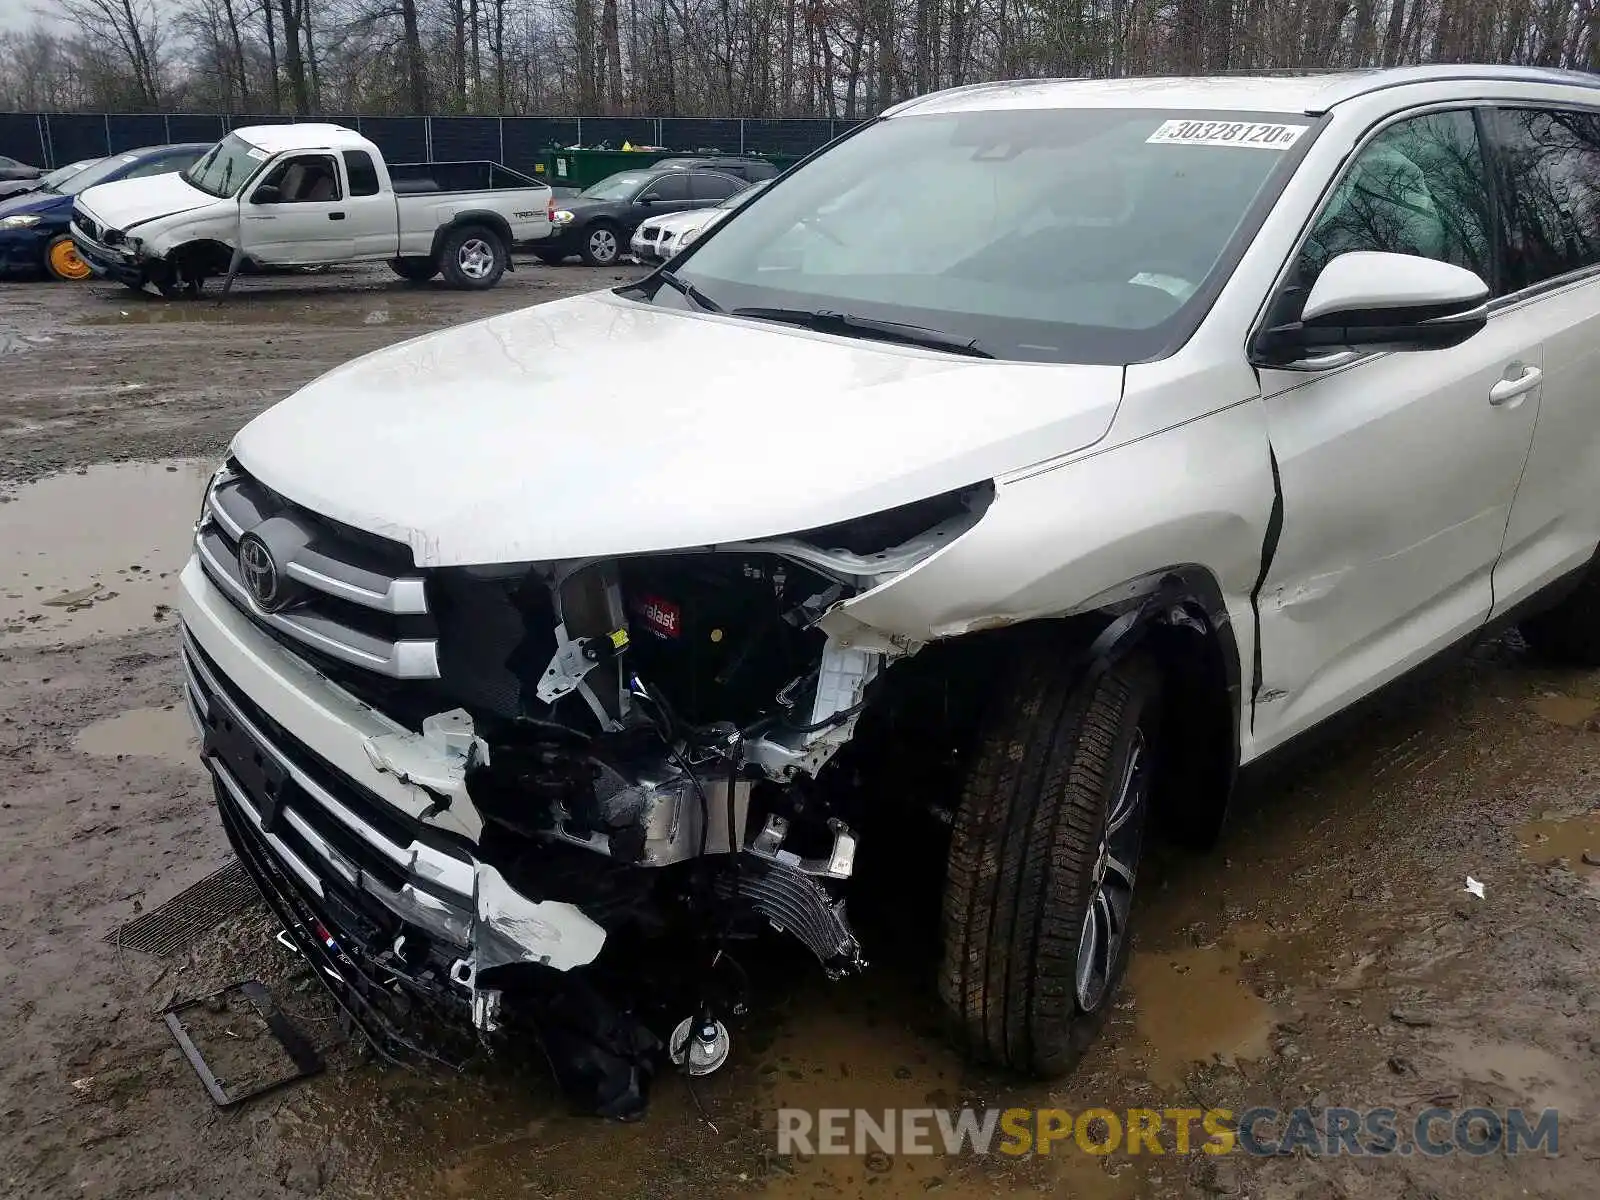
x=260 y=572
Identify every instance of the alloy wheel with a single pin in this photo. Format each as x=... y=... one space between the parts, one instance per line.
x=603 y=245
x=475 y=258
x=1105 y=920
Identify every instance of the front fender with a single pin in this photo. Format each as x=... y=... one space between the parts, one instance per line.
x=165 y=234
x=1083 y=534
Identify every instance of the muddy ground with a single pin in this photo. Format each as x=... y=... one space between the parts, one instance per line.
x=1326 y=954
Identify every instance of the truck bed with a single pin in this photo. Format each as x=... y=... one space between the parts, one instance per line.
x=429 y=195
x=411 y=179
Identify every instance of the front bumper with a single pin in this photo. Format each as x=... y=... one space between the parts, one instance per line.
x=310 y=795
x=108 y=262
x=565 y=240
x=22 y=250
x=647 y=249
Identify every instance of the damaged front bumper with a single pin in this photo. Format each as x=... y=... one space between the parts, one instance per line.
x=483 y=790
x=123 y=264
x=305 y=778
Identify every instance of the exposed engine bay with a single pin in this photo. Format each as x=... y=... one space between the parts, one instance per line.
x=649 y=741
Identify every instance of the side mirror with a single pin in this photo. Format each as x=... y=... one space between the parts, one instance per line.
x=1369 y=300
x=267 y=193
x=650 y=198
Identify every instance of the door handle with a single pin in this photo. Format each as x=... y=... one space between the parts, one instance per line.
x=336 y=216
x=1509 y=389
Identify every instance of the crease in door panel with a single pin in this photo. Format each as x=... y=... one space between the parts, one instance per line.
x=1269 y=549
x=1527 y=457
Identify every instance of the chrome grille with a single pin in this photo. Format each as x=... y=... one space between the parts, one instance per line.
x=334 y=592
x=326 y=829
x=85 y=223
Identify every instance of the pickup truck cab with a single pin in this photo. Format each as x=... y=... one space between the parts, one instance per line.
x=1236 y=400
x=305 y=195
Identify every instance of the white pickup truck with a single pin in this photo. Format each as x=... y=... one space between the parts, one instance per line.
x=306 y=195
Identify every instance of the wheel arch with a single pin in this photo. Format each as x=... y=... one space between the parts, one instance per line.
x=1180 y=616
x=213 y=256
x=485 y=217
x=1183 y=618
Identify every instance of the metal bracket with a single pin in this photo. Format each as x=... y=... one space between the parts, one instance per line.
x=839 y=864
x=303 y=1054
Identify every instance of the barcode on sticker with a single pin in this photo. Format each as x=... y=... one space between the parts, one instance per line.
x=1257 y=135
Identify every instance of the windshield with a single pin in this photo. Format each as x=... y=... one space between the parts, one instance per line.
x=95 y=173
x=225 y=167
x=53 y=181
x=1069 y=235
x=620 y=186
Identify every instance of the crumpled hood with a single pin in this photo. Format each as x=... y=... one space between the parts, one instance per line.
x=598 y=426
x=128 y=201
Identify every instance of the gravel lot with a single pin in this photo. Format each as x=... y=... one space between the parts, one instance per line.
x=1326 y=954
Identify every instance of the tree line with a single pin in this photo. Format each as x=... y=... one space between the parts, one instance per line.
x=747 y=58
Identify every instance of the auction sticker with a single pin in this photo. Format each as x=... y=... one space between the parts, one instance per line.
x=1256 y=135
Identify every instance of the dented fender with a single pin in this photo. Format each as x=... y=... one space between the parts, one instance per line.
x=1197 y=496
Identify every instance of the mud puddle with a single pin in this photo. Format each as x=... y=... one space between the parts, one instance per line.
x=96 y=553
x=166 y=733
x=871 y=1046
x=1575 y=840
x=1573 y=711
x=1195 y=1005
x=13 y=341
x=1528 y=1075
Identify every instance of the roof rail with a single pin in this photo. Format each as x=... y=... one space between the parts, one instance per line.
x=1363 y=83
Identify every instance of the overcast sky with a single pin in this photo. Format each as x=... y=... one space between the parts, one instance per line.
x=17 y=14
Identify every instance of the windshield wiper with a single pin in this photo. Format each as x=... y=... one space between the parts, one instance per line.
x=890 y=331
x=678 y=283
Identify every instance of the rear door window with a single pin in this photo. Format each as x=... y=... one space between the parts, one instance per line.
x=363 y=175
x=706 y=186
x=1550 y=169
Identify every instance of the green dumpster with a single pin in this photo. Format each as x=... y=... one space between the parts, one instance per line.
x=580 y=168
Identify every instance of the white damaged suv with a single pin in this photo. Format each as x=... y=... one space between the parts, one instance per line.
x=1025 y=466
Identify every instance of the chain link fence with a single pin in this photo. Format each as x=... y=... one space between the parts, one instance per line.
x=53 y=139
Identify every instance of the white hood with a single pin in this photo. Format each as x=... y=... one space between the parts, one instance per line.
x=129 y=201
x=597 y=426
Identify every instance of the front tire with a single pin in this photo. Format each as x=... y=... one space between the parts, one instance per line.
x=1570 y=632
x=472 y=257
x=601 y=245
x=1043 y=858
x=62 y=262
x=416 y=270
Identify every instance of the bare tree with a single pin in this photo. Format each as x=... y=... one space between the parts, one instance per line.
x=130 y=27
x=817 y=58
